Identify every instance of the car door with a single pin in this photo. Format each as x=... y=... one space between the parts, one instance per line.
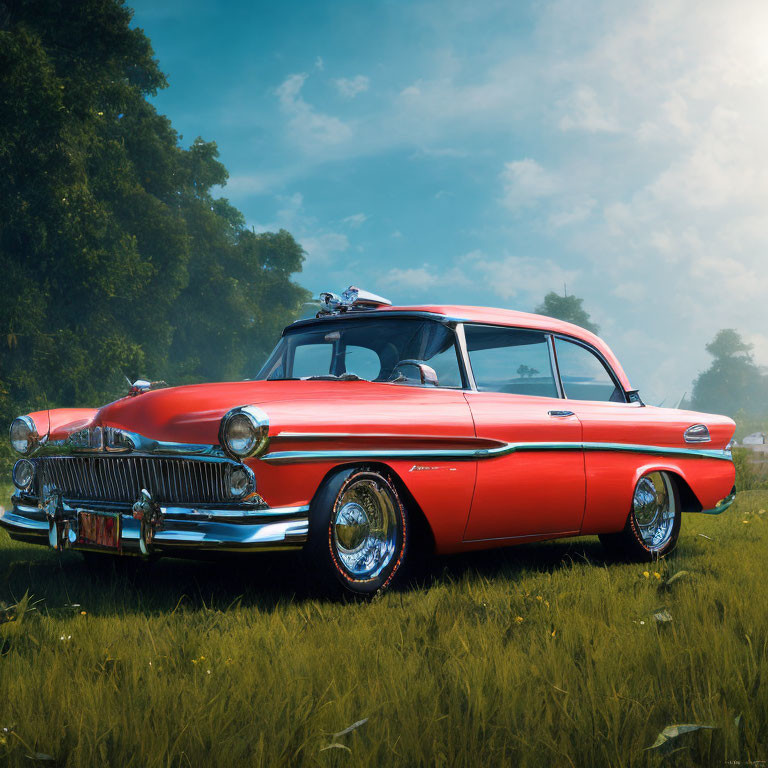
x=594 y=394
x=538 y=488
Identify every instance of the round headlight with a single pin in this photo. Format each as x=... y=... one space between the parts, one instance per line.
x=24 y=435
x=244 y=432
x=23 y=474
x=238 y=482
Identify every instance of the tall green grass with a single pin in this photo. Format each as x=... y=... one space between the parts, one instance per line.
x=542 y=655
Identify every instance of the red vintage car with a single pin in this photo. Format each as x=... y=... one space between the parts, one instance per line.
x=372 y=435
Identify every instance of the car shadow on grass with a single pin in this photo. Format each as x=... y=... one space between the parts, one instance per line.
x=266 y=581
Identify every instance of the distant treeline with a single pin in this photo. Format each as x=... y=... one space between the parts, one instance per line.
x=115 y=258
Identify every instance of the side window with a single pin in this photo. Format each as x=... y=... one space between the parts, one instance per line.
x=510 y=360
x=583 y=374
x=312 y=360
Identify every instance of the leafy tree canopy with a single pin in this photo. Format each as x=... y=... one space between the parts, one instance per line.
x=566 y=308
x=117 y=260
x=733 y=382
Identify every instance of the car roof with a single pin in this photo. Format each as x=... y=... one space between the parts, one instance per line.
x=509 y=317
x=514 y=318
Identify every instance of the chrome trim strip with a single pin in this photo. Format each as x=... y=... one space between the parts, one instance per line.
x=121 y=441
x=284 y=457
x=721 y=506
x=232 y=515
x=488 y=442
x=461 y=337
x=555 y=367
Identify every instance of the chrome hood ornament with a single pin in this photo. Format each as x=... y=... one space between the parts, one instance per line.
x=140 y=386
x=353 y=298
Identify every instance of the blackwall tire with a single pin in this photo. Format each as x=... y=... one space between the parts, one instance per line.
x=653 y=524
x=359 y=533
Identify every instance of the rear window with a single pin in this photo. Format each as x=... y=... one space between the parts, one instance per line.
x=584 y=375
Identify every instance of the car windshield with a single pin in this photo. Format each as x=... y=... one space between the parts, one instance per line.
x=373 y=349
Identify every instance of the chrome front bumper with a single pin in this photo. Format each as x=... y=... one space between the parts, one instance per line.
x=182 y=528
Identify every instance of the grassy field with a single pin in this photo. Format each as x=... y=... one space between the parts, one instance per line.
x=543 y=655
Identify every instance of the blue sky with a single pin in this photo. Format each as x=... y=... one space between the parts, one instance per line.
x=487 y=153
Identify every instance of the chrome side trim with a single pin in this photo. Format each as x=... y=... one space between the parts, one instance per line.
x=410 y=437
x=721 y=506
x=461 y=337
x=285 y=457
x=554 y=365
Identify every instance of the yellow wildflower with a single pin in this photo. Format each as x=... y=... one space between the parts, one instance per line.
x=519 y=619
x=646 y=575
x=539 y=598
x=656 y=575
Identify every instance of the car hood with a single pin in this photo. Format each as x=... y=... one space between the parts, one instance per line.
x=192 y=414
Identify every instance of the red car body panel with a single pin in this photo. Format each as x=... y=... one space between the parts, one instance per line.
x=468 y=503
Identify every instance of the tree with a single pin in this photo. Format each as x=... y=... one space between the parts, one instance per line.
x=566 y=308
x=116 y=257
x=733 y=382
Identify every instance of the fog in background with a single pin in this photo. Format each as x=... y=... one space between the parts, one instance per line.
x=487 y=153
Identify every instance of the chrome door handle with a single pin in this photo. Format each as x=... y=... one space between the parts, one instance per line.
x=561 y=414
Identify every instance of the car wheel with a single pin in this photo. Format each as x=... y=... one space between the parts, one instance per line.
x=653 y=523
x=359 y=533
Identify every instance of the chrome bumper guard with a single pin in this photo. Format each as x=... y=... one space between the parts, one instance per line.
x=179 y=528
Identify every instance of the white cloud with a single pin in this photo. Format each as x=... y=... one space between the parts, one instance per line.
x=502 y=279
x=578 y=210
x=426 y=277
x=353 y=86
x=319 y=64
x=355 y=220
x=584 y=113
x=308 y=126
x=324 y=247
x=525 y=182
x=512 y=276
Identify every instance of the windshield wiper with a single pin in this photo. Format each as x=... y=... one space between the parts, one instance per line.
x=332 y=377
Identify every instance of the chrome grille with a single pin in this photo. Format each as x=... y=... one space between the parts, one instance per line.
x=121 y=478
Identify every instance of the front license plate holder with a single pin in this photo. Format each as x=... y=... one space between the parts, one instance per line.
x=99 y=530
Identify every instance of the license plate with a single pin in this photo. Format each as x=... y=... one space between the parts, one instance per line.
x=98 y=529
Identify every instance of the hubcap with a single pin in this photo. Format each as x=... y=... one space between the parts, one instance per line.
x=653 y=506
x=365 y=528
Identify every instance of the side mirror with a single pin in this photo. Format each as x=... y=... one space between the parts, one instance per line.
x=426 y=374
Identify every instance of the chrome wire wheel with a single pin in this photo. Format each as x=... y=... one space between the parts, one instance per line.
x=654 y=510
x=364 y=527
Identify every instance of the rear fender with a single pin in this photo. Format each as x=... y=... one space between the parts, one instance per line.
x=701 y=483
